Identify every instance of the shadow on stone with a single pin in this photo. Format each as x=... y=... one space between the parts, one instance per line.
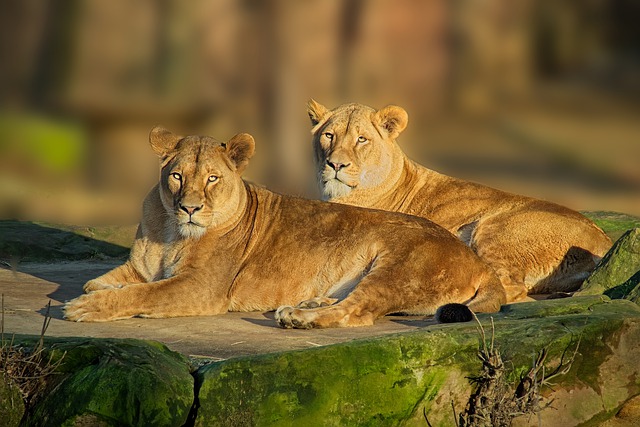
x=268 y=321
x=31 y=241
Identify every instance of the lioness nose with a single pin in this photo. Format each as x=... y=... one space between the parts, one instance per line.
x=190 y=209
x=337 y=166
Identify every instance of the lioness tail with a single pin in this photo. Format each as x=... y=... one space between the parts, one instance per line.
x=453 y=313
x=488 y=298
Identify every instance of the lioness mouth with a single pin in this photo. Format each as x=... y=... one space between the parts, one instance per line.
x=335 y=188
x=338 y=181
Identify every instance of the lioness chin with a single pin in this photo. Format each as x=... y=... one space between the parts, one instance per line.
x=209 y=243
x=534 y=246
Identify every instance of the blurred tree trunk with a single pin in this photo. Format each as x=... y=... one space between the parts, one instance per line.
x=305 y=64
x=493 y=53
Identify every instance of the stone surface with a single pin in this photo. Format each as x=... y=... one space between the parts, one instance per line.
x=618 y=274
x=634 y=294
x=28 y=290
x=627 y=416
x=397 y=379
x=388 y=380
x=113 y=382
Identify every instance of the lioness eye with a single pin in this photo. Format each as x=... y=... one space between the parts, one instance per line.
x=328 y=135
x=212 y=178
x=176 y=176
x=362 y=139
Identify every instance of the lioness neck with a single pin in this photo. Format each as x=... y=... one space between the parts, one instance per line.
x=238 y=208
x=448 y=201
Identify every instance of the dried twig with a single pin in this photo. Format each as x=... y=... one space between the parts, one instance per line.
x=494 y=402
x=27 y=369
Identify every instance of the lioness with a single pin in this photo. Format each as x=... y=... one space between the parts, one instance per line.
x=534 y=246
x=210 y=243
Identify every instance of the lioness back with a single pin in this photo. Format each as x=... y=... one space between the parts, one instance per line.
x=209 y=243
x=534 y=246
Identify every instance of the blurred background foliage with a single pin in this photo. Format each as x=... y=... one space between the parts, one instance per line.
x=536 y=97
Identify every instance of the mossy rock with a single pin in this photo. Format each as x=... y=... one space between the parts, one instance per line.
x=618 y=274
x=11 y=403
x=615 y=224
x=112 y=382
x=633 y=294
x=37 y=241
x=397 y=380
x=384 y=381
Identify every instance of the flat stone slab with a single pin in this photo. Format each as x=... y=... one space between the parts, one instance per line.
x=29 y=288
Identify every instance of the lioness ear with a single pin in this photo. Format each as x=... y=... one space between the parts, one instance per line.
x=163 y=141
x=240 y=149
x=316 y=112
x=391 y=118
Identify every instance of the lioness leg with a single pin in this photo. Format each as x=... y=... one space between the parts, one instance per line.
x=422 y=293
x=536 y=252
x=120 y=276
x=173 y=297
x=369 y=300
x=360 y=308
x=333 y=316
x=515 y=290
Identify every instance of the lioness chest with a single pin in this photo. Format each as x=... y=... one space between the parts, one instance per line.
x=161 y=260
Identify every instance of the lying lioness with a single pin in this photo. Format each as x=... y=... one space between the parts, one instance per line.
x=210 y=243
x=535 y=247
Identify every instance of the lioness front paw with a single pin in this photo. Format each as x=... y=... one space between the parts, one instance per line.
x=289 y=317
x=91 y=307
x=94 y=285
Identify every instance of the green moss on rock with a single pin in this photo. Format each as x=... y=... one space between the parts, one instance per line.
x=615 y=224
x=392 y=380
x=617 y=275
x=553 y=307
x=11 y=403
x=113 y=382
x=633 y=294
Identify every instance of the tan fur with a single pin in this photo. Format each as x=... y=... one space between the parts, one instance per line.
x=210 y=243
x=534 y=246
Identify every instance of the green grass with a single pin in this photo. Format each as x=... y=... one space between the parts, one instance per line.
x=53 y=145
x=613 y=223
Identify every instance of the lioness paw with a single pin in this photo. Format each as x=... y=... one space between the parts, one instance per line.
x=94 y=285
x=91 y=307
x=289 y=317
x=317 y=302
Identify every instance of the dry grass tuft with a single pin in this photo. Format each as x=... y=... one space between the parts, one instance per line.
x=26 y=368
x=495 y=403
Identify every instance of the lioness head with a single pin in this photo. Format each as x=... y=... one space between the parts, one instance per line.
x=354 y=146
x=200 y=184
